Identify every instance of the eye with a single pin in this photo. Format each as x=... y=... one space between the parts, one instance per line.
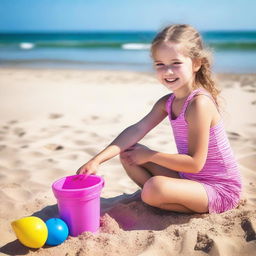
x=177 y=63
x=159 y=64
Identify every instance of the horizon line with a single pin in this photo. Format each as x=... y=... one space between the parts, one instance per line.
x=112 y=31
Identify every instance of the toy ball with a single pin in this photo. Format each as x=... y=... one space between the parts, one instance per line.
x=31 y=231
x=57 y=231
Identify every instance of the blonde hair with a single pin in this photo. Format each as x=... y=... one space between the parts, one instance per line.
x=193 y=47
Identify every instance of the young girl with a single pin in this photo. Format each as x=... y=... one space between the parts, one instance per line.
x=203 y=176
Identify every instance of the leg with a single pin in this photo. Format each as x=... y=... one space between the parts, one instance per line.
x=137 y=173
x=158 y=170
x=179 y=195
x=141 y=173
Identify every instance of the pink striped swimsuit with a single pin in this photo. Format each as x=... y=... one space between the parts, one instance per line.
x=220 y=175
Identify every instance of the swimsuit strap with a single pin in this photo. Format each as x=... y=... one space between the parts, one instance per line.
x=168 y=103
x=189 y=98
x=200 y=91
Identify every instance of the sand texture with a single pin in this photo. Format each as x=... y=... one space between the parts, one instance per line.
x=53 y=121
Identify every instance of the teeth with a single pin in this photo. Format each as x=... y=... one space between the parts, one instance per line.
x=171 y=80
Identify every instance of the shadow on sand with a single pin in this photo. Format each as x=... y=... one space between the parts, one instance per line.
x=127 y=210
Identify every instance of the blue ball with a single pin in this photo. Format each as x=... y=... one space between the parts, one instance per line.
x=57 y=231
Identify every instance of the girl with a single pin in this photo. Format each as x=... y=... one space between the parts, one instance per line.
x=203 y=176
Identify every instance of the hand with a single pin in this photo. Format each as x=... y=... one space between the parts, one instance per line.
x=138 y=154
x=88 y=168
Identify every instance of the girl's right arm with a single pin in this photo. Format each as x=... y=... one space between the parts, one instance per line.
x=128 y=137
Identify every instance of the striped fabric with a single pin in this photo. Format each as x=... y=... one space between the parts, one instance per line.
x=220 y=175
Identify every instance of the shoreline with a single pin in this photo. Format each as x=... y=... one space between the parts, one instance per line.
x=95 y=69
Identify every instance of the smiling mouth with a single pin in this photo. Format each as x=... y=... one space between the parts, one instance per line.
x=171 y=80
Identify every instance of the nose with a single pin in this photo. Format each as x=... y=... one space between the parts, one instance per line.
x=169 y=70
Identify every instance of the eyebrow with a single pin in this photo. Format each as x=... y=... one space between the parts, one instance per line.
x=171 y=60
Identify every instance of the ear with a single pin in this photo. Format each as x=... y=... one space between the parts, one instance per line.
x=197 y=63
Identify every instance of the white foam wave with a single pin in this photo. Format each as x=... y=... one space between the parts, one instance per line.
x=134 y=46
x=27 y=46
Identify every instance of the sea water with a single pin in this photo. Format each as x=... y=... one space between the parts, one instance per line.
x=233 y=51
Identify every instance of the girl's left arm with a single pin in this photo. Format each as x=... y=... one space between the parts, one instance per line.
x=199 y=116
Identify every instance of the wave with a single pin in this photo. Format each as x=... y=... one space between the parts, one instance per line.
x=27 y=46
x=135 y=46
x=218 y=45
x=76 y=44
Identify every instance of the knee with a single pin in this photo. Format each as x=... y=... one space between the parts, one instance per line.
x=153 y=191
x=123 y=158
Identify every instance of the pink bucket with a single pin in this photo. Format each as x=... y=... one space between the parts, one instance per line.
x=78 y=199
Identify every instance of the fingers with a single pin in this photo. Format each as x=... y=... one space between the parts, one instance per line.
x=83 y=170
x=127 y=156
x=129 y=149
x=134 y=146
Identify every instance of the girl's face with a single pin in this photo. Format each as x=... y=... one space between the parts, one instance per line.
x=173 y=69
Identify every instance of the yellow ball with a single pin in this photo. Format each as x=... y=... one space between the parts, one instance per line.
x=31 y=231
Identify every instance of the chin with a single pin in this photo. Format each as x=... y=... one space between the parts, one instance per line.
x=173 y=87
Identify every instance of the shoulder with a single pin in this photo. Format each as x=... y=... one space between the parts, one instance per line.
x=163 y=100
x=165 y=97
x=201 y=103
x=200 y=109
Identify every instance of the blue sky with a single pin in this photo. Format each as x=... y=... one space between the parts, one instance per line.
x=84 y=15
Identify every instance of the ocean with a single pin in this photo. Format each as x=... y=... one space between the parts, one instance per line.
x=233 y=51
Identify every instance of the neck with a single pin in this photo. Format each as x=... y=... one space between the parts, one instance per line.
x=183 y=93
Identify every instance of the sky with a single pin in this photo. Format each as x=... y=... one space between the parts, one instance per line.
x=112 y=15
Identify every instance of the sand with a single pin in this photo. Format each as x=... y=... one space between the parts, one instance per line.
x=53 y=121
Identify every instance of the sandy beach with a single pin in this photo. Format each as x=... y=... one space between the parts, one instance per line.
x=53 y=121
